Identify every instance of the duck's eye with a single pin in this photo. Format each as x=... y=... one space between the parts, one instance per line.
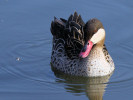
x=95 y=30
x=88 y=43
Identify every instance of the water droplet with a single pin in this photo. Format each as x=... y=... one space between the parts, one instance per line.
x=17 y=59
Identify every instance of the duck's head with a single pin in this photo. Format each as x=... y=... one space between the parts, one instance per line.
x=94 y=35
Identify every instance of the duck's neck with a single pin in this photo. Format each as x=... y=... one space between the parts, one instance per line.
x=100 y=44
x=96 y=52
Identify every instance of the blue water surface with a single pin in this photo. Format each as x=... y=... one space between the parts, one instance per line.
x=26 y=42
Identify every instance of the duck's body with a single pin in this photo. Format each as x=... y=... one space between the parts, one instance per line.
x=66 y=56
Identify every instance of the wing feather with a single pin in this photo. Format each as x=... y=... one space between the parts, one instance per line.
x=71 y=31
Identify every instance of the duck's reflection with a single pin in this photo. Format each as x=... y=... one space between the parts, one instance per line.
x=94 y=87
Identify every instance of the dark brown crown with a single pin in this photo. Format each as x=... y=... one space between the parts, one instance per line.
x=91 y=27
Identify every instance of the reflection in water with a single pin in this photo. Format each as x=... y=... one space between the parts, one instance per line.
x=93 y=87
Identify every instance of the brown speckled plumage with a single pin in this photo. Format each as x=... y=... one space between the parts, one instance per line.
x=107 y=56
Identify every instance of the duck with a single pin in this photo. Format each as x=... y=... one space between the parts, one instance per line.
x=78 y=48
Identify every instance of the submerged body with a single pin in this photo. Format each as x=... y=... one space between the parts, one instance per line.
x=72 y=57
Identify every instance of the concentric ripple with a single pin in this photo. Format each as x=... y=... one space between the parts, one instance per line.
x=29 y=59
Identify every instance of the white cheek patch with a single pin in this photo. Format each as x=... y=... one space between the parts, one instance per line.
x=98 y=36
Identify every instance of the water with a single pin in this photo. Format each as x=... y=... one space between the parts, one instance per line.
x=25 y=49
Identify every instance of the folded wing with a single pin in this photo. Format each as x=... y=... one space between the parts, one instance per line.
x=71 y=31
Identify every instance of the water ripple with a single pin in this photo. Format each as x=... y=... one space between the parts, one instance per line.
x=27 y=60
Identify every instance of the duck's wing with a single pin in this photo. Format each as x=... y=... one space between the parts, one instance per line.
x=71 y=31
